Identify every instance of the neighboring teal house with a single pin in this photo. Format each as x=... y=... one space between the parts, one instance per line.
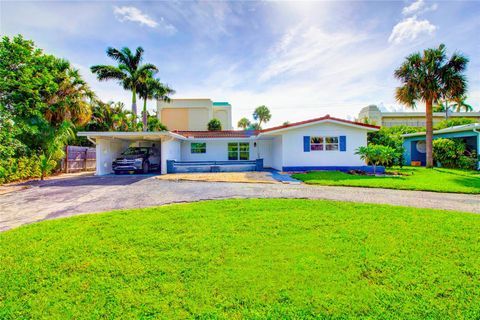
x=414 y=143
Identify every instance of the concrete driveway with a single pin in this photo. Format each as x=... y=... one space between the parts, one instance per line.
x=87 y=194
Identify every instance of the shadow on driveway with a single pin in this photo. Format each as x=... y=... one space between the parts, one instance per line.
x=91 y=180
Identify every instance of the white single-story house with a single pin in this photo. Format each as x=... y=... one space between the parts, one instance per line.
x=325 y=143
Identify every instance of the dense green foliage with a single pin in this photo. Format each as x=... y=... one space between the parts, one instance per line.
x=214 y=125
x=411 y=178
x=430 y=78
x=392 y=137
x=452 y=153
x=20 y=168
x=42 y=98
x=251 y=259
x=453 y=122
x=377 y=155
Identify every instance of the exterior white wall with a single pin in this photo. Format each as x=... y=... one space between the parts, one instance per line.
x=294 y=156
x=264 y=151
x=106 y=151
x=170 y=150
x=277 y=153
x=217 y=150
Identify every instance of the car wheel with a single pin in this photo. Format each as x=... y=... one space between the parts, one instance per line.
x=145 y=167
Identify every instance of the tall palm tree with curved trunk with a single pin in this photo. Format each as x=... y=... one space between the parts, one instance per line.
x=152 y=88
x=429 y=78
x=262 y=114
x=129 y=71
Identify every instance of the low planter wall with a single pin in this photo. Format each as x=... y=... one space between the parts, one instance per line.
x=214 y=166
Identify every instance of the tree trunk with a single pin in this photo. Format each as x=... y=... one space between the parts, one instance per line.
x=144 y=116
x=134 y=103
x=429 y=135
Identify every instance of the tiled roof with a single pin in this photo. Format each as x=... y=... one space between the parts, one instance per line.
x=249 y=133
x=327 y=117
x=217 y=134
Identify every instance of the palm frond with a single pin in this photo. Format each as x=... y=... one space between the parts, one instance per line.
x=105 y=72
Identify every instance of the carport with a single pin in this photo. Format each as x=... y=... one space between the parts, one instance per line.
x=109 y=145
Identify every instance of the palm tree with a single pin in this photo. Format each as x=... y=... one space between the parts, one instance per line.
x=243 y=123
x=150 y=88
x=71 y=101
x=430 y=78
x=460 y=103
x=262 y=114
x=129 y=71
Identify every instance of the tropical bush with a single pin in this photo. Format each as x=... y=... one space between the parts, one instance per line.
x=13 y=169
x=451 y=153
x=377 y=155
x=392 y=137
x=42 y=99
x=214 y=125
x=154 y=124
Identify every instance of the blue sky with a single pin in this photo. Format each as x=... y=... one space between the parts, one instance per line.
x=301 y=59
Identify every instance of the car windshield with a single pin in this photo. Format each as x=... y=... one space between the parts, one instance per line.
x=135 y=151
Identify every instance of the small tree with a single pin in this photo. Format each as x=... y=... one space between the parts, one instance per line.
x=262 y=114
x=214 y=125
x=243 y=123
x=376 y=155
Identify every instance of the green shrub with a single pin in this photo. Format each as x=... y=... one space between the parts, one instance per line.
x=214 y=125
x=453 y=154
x=377 y=155
x=391 y=137
x=14 y=169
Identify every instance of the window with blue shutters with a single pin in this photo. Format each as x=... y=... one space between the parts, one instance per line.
x=322 y=143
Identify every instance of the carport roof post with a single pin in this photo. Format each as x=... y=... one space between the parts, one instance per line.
x=130 y=135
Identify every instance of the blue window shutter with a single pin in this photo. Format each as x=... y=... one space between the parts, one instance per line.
x=306 y=144
x=343 y=143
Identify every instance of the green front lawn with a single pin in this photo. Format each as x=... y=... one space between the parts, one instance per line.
x=415 y=178
x=245 y=259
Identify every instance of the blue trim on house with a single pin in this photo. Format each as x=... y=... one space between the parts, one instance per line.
x=306 y=144
x=379 y=169
x=343 y=143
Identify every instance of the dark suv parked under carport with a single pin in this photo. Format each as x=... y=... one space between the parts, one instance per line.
x=137 y=159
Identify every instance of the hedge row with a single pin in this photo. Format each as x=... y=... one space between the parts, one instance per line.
x=14 y=169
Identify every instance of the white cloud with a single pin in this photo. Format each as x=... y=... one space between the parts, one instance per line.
x=411 y=29
x=418 y=7
x=304 y=48
x=136 y=15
